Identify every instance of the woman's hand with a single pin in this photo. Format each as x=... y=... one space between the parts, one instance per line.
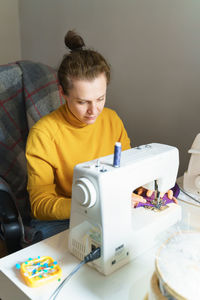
x=136 y=198
x=149 y=194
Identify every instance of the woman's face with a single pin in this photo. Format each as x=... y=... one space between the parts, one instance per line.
x=86 y=99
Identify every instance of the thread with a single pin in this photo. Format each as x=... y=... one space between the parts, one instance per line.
x=117 y=155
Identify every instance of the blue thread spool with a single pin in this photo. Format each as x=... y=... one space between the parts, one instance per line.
x=117 y=155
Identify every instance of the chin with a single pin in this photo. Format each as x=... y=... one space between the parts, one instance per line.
x=90 y=121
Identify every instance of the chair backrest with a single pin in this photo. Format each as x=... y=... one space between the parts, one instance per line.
x=28 y=91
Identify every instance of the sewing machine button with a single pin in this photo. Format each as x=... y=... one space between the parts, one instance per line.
x=103 y=169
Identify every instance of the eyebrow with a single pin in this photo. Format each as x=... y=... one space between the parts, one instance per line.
x=90 y=100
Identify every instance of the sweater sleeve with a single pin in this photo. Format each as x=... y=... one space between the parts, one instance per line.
x=46 y=203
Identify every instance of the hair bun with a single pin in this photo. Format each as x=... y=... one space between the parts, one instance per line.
x=74 y=41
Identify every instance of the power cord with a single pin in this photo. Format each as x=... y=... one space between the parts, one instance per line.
x=182 y=190
x=94 y=254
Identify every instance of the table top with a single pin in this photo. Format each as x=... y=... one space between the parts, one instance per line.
x=129 y=282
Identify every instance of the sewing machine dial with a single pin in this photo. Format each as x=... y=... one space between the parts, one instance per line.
x=85 y=192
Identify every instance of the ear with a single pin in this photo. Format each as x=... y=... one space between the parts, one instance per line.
x=60 y=90
x=62 y=94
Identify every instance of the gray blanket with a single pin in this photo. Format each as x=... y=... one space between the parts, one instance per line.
x=28 y=91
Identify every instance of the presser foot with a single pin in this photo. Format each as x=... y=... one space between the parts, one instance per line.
x=156 y=209
x=157 y=205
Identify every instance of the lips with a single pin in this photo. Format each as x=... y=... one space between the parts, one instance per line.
x=90 y=118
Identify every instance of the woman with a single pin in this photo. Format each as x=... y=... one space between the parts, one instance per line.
x=81 y=130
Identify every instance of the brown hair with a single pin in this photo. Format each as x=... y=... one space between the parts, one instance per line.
x=80 y=63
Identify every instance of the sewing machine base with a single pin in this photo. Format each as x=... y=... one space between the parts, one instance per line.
x=146 y=227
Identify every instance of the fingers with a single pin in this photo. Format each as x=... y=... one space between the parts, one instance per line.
x=138 y=198
x=140 y=190
x=162 y=195
x=175 y=200
x=149 y=193
x=135 y=199
x=170 y=194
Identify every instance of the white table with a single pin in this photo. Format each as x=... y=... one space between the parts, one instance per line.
x=131 y=282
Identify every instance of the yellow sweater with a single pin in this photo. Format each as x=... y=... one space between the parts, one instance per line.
x=56 y=143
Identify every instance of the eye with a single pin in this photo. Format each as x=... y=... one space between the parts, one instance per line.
x=101 y=99
x=81 y=102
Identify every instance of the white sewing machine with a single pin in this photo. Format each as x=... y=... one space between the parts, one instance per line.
x=101 y=212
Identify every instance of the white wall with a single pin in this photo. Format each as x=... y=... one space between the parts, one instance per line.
x=10 y=49
x=153 y=47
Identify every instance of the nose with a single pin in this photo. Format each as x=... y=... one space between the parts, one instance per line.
x=92 y=109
